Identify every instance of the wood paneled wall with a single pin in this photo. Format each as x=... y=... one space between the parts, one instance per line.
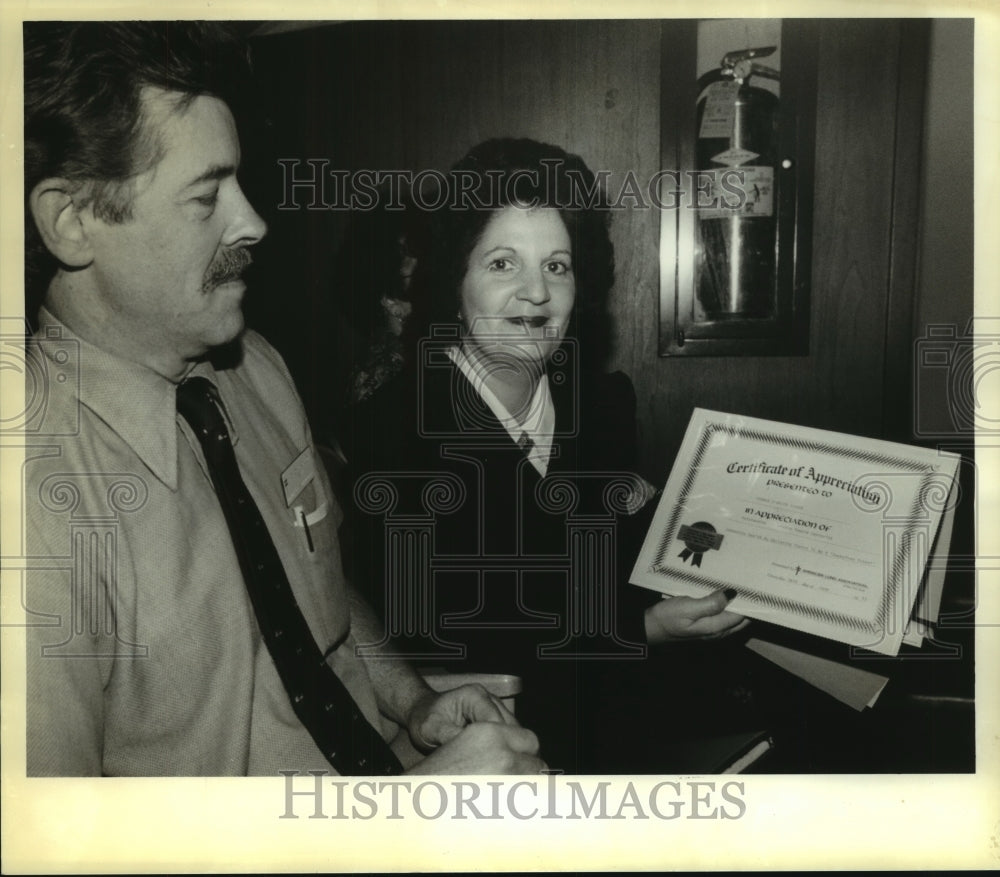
x=417 y=95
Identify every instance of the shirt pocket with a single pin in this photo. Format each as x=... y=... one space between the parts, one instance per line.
x=311 y=520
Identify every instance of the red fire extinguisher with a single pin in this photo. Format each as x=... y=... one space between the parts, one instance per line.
x=737 y=151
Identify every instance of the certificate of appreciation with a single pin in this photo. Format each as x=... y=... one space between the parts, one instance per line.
x=819 y=531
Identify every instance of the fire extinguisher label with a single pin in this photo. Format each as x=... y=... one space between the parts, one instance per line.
x=735 y=157
x=720 y=109
x=743 y=191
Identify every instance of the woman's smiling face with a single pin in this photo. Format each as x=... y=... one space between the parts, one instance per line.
x=518 y=291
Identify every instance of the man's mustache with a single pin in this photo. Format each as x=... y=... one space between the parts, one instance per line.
x=228 y=265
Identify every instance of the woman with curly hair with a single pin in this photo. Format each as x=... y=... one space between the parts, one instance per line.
x=497 y=509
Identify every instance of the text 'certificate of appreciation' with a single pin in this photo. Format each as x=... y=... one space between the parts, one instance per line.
x=818 y=531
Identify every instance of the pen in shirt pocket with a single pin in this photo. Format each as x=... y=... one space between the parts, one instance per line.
x=304 y=523
x=307 y=520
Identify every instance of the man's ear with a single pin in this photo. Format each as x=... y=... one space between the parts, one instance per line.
x=58 y=220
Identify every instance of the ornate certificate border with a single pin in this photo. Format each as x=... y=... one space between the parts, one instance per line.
x=901 y=555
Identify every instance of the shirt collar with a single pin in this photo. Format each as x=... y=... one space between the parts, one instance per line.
x=138 y=404
x=540 y=423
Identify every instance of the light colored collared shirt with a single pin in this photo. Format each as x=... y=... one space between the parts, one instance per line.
x=144 y=655
x=537 y=428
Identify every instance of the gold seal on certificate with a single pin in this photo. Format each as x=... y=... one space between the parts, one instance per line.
x=819 y=531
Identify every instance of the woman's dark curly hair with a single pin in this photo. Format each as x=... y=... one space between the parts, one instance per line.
x=516 y=172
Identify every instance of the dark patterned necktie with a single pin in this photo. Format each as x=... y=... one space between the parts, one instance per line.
x=319 y=698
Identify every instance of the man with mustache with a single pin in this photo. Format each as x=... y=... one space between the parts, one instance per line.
x=171 y=479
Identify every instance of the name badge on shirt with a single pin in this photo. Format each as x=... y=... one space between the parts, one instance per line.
x=295 y=478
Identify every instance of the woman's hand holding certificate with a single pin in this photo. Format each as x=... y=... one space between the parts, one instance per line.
x=681 y=618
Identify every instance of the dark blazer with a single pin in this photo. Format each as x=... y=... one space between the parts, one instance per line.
x=477 y=563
